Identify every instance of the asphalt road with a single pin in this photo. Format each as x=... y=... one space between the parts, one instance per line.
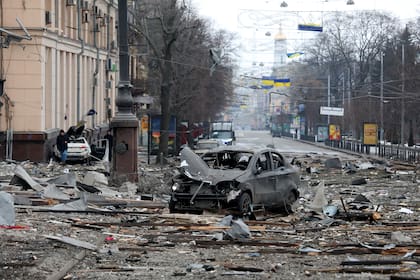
x=283 y=144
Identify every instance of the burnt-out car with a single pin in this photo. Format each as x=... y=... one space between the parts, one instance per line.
x=234 y=177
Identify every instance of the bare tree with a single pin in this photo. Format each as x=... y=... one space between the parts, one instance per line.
x=347 y=50
x=177 y=44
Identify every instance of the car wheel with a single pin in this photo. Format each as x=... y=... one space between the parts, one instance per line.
x=244 y=203
x=171 y=206
x=291 y=198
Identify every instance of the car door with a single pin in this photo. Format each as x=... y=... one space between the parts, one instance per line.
x=264 y=181
x=284 y=178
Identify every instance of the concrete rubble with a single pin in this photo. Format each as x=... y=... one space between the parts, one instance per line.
x=69 y=222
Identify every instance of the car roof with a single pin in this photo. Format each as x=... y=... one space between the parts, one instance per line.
x=208 y=141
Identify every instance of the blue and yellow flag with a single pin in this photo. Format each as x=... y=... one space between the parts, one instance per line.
x=294 y=54
x=267 y=81
x=282 y=82
x=310 y=27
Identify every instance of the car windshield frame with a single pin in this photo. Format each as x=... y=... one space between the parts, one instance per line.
x=221 y=134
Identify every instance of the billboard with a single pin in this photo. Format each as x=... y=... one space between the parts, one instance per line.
x=370 y=134
x=155 y=134
x=334 y=132
x=322 y=133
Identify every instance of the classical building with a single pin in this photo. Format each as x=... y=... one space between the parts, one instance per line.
x=280 y=51
x=58 y=67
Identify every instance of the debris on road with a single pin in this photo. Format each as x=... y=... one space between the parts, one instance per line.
x=68 y=222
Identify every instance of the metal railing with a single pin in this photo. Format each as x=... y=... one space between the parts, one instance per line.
x=388 y=151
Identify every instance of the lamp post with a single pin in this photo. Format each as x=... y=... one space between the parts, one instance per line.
x=125 y=123
x=402 y=93
x=381 y=132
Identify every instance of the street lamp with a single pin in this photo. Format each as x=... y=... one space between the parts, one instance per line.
x=283 y=4
x=381 y=132
x=402 y=92
x=124 y=123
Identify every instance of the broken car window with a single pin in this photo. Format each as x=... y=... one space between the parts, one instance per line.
x=278 y=160
x=263 y=162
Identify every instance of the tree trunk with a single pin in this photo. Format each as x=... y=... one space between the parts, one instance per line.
x=165 y=95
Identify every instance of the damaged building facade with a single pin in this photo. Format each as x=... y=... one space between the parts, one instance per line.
x=58 y=67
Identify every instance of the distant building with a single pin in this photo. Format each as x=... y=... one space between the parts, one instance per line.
x=280 y=50
x=279 y=103
x=67 y=67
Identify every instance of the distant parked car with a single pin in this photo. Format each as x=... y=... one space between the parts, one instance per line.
x=234 y=177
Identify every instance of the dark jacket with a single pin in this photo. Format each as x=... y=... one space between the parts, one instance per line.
x=62 y=141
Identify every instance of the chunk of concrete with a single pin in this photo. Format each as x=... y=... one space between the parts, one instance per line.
x=238 y=230
x=7 y=209
x=320 y=201
x=68 y=179
x=129 y=188
x=96 y=179
x=51 y=191
x=77 y=205
x=359 y=181
x=333 y=163
x=25 y=179
x=399 y=237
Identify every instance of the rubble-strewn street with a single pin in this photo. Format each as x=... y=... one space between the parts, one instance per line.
x=356 y=218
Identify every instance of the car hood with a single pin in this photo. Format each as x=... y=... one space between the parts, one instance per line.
x=195 y=168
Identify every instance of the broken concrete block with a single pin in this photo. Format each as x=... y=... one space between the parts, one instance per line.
x=333 y=163
x=359 y=181
x=25 y=179
x=68 y=179
x=77 y=205
x=319 y=200
x=7 y=209
x=399 y=237
x=238 y=230
x=51 y=191
x=129 y=188
x=95 y=179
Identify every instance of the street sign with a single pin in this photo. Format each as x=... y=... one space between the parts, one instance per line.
x=332 y=111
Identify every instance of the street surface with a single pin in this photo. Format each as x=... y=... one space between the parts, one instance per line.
x=283 y=144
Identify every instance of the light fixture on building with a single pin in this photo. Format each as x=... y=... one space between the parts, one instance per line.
x=283 y=4
x=350 y=2
x=268 y=33
x=261 y=64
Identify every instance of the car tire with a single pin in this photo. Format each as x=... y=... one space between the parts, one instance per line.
x=244 y=203
x=291 y=198
x=171 y=206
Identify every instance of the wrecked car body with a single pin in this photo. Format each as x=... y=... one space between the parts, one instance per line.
x=234 y=177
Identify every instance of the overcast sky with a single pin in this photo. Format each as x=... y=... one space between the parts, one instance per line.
x=225 y=12
x=257 y=21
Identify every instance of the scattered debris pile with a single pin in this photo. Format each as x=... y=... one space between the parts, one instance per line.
x=66 y=222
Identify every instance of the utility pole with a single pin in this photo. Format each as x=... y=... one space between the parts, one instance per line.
x=381 y=132
x=125 y=123
x=402 y=93
x=329 y=94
